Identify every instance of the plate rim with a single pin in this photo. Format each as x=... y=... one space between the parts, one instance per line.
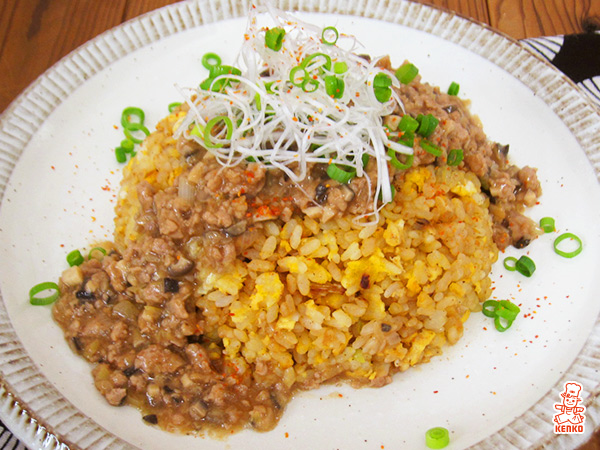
x=568 y=98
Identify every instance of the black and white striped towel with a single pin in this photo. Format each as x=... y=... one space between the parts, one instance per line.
x=577 y=55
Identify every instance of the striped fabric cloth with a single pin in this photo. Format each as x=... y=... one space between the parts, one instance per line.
x=576 y=55
x=8 y=441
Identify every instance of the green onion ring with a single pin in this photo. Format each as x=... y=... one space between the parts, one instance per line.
x=406 y=73
x=324 y=40
x=547 y=224
x=436 y=438
x=427 y=124
x=120 y=154
x=334 y=86
x=455 y=157
x=454 y=88
x=274 y=38
x=382 y=80
x=430 y=148
x=382 y=94
x=326 y=65
x=488 y=308
x=96 y=249
x=136 y=127
x=408 y=123
x=132 y=111
x=293 y=73
x=173 y=106
x=507 y=310
x=127 y=145
x=407 y=139
x=343 y=176
x=564 y=254
x=210 y=125
x=525 y=266
x=500 y=326
x=340 y=67
x=314 y=85
x=510 y=263
x=399 y=164
x=365 y=159
x=40 y=288
x=209 y=60
x=74 y=258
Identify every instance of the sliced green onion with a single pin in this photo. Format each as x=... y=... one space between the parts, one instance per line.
x=173 y=106
x=132 y=111
x=336 y=173
x=136 y=127
x=217 y=71
x=198 y=130
x=210 y=125
x=298 y=82
x=326 y=65
x=382 y=94
x=502 y=324
x=455 y=157
x=430 y=148
x=127 y=145
x=407 y=139
x=48 y=285
x=399 y=164
x=209 y=60
x=74 y=258
x=96 y=249
x=525 y=266
x=274 y=38
x=365 y=160
x=406 y=73
x=454 y=88
x=311 y=85
x=382 y=80
x=324 y=39
x=570 y=254
x=257 y=102
x=120 y=154
x=547 y=224
x=510 y=263
x=436 y=438
x=334 y=86
x=427 y=124
x=507 y=310
x=488 y=308
x=340 y=68
x=407 y=123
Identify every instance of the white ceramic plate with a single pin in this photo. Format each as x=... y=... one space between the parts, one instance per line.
x=59 y=178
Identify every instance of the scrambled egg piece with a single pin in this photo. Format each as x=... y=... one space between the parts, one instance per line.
x=268 y=290
x=376 y=267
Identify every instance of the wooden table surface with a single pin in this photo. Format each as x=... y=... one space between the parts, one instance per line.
x=34 y=34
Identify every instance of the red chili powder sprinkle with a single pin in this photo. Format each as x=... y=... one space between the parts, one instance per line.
x=287 y=435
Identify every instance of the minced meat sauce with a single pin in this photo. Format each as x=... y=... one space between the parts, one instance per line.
x=133 y=314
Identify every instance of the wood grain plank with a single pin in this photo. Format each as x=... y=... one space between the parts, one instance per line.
x=7 y=10
x=531 y=18
x=473 y=9
x=135 y=8
x=43 y=31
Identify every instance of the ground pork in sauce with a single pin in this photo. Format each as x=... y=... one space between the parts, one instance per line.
x=135 y=316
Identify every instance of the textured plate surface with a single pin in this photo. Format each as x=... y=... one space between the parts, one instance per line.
x=58 y=179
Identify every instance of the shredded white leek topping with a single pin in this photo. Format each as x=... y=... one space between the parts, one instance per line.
x=284 y=125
